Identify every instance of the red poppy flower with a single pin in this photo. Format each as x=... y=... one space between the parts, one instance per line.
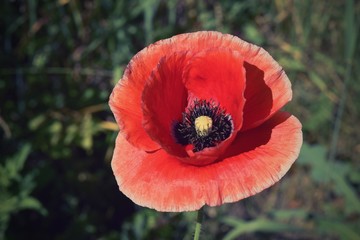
x=200 y=123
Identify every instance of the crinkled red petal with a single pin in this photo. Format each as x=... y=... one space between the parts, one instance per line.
x=207 y=155
x=264 y=97
x=257 y=159
x=164 y=100
x=126 y=111
x=268 y=88
x=125 y=100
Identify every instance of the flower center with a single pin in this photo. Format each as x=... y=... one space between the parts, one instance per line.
x=204 y=125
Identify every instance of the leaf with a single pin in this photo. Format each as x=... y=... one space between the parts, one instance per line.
x=355 y=176
x=320 y=114
x=253 y=34
x=324 y=171
x=342 y=187
x=257 y=225
x=14 y=164
x=350 y=30
x=290 y=214
x=71 y=132
x=10 y=179
x=320 y=83
x=291 y=64
x=36 y=122
x=315 y=156
x=55 y=130
x=87 y=132
x=117 y=73
x=339 y=228
x=31 y=203
x=140 y=225
x=8 y=204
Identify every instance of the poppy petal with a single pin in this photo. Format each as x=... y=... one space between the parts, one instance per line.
x=207 y=155
x=218 y=74
x=256 y=160
x=164 y=100
x=128 y=114
x=128 y=118
x=261 y=156
x=268 y=88
x=125 y=101
x=264 y=95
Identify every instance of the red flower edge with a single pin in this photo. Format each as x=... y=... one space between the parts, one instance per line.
x=164 y=80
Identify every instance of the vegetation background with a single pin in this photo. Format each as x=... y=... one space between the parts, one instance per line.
x=59 y=62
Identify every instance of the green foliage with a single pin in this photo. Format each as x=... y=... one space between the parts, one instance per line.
x=335 y=173
x=258 y=225
x=339 y=228
x=10 y=179
x=149 y=224
x=59 y=62
x=141 y=225
x=330 y=220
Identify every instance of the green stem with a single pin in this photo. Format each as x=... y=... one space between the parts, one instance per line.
x=198 y=224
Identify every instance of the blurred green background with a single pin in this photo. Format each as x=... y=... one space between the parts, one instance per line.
x=59 y=62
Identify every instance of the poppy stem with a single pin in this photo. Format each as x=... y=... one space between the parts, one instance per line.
x=199 y=219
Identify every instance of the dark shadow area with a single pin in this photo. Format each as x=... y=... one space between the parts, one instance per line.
x=256 y=137
x=81 y=201
x=257 y=94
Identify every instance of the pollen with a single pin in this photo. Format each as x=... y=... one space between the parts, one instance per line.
x=203 y=125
